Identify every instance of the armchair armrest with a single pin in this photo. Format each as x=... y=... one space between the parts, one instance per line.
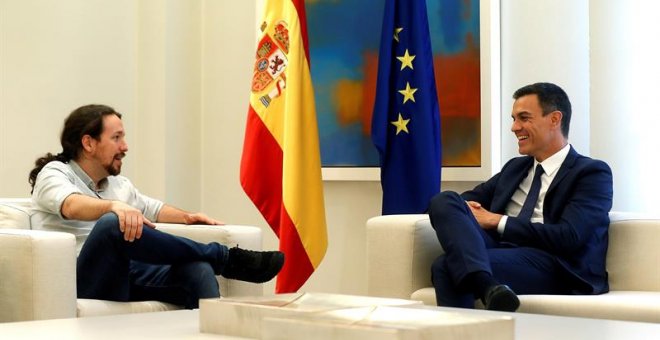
x=400 y=251
x=37 y=275
x=247 y=237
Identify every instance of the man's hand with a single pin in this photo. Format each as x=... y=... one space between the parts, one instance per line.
x=487 y=220
x=131 y=220
x=200 y=218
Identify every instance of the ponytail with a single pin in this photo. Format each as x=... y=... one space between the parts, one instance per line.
x=40 y=163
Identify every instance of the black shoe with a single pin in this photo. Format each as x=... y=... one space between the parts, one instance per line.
x=501 y=298
x=253 y=266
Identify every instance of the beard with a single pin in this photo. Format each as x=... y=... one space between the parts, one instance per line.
x=115 y=170
x=112 y=170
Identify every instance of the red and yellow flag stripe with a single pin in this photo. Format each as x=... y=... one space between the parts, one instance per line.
x=281 y=165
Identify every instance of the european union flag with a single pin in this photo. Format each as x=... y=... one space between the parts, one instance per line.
x=406 y=120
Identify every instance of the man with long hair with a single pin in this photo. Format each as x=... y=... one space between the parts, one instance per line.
x=122 y=256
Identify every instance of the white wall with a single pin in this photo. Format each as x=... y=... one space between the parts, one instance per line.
x=169 y=72
x=141 y=57
x=55 y=56
x=546 y=41
x=625 y=86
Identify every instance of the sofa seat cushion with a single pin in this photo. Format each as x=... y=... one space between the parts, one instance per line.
x=91 y=307
x=425 y=295
x=616 y=305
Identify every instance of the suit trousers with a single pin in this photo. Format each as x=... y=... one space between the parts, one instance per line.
x=469 y=249
x=157 y=266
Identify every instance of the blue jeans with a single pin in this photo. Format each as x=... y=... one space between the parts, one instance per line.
x=157 y=266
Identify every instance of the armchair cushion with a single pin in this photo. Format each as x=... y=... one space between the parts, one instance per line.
x=15 y=213
x=91 y=307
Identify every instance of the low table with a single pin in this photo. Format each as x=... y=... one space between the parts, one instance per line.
x=184 y=324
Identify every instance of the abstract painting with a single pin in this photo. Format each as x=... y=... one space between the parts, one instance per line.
x=344 y=37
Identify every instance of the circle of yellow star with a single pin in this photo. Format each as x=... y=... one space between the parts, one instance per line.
x=401 y=124
x=408 y=93
x=406 y=60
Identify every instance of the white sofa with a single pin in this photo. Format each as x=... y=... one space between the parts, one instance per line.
x=401 y=248
x=38 y=268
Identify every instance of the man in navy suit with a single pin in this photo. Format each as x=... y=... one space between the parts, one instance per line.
x=498 y=245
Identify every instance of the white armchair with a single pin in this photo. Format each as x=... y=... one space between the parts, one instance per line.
x=401 y=249
x=38 y=268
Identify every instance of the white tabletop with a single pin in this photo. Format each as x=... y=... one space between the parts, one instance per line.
x=180 y=324
x=184 y=324
x=550 y=327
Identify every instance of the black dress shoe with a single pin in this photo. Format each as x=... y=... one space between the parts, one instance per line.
x=253 y=266
x=501 y=298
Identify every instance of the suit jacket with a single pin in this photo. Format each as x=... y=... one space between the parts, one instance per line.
x=575 y=214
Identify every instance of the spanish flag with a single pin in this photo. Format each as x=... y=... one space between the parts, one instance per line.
x=281 y=164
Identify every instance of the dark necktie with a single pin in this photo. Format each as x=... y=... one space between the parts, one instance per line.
x=533 y=195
